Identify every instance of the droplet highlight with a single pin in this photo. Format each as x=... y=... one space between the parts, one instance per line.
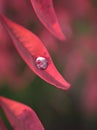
x=41 y=63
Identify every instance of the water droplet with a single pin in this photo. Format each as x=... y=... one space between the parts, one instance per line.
x=41 y=63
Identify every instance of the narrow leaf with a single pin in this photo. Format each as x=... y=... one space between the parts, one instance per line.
x=20 y=116
x=34 y=53
x=45 y=12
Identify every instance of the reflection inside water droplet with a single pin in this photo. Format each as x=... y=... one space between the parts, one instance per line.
x=41 y=63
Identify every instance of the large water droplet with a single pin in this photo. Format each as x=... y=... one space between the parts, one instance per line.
x=41 y=63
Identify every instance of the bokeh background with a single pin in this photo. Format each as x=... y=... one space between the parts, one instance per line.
x=75 y=58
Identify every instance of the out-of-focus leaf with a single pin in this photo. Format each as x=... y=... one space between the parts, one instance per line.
x=45 y=11
x=2 y=125
x=20 y=116
x=34 y=53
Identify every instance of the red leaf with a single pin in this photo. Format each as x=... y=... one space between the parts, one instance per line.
x=20 y=116
x=45 y=12
x=34 y=53
x=2 y=125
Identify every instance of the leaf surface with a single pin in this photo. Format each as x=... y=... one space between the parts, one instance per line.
x=20 y=116
x=30 y=48
x=45 y=12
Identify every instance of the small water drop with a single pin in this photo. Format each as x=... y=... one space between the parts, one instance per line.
x=41 y=63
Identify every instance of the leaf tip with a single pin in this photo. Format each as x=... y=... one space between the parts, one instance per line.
x=59 y=33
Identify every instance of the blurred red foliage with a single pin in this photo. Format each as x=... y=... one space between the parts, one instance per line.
x=76 y=56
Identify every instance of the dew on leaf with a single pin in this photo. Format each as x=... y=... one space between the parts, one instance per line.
x=41 y=63
x=22 y=40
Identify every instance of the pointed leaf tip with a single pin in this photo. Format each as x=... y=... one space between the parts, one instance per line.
x=34 y=53
x=45 y=12
x=20 y=116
